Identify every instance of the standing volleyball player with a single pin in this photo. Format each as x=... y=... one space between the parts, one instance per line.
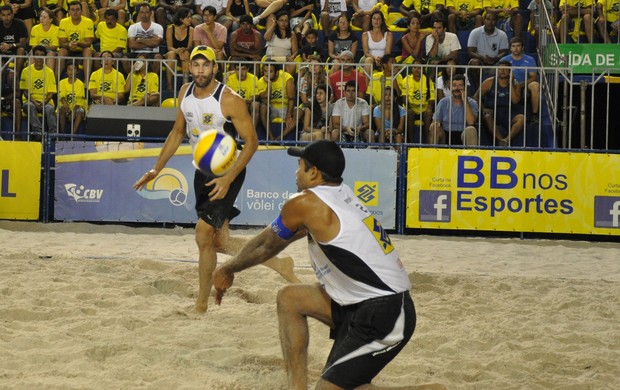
x=206 y=104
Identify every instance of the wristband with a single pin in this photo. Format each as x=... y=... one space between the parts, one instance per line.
x=280 y=230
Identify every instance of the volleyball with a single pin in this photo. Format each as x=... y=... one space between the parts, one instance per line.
x=215 y=152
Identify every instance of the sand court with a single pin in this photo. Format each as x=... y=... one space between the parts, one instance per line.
x=86 y=306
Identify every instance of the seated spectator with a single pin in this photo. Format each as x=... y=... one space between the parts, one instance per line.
x=412 y=41
x=310 y=47
x=576 y=18
x=112 y=35
x=246 y=41
x=535 y=8
x=13 y=37
x=317 y=116
x=75 y=37
x=442 y=46
x=486 y=45
x=46 y=34
x=331 y=10
x=24 y=11
x=71 y=101
x=277 y=91
x=142 y=86
x=528 y=78
x=10 y=103
x=211 y=33
x=179 y=40
x=38 y=87
x=145 y=36
x=107 y=85
x=120 y=6
x=362 y=12
x=269 y=7
x=56 y=7
x=339 y=79
x=221 y=15
x=89 y=9
x=444 y=81
x=197 y=20
x=502 y=107
x=351 y=117
x=455 y=117
x=376 y=42
x=281 y=43
x=508 y=15
x=464 y=15
x=383 y=79
x=300 y=13
x=165 y=10
x=608 y=21
x=311 y=79
x=419 y=91
x=235 y=9
x=389 y=118
x=342 y=39
x=425 y=10
x=240 y=80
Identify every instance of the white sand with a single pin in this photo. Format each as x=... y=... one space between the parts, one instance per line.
x=92 y=307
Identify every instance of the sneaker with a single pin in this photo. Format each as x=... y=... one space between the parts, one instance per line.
x=256 y=20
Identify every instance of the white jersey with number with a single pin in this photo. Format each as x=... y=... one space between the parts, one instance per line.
x=360 y=262
x=205 y=114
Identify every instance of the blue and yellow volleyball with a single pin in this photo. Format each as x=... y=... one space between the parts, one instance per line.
x=215 y=152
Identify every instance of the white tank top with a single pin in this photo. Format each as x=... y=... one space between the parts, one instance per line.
x=377 y=49
x=366 y=5
x=204 y=114
x=279 y=47
x=360 y=262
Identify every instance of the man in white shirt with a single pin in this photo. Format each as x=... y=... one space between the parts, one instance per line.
x=144 y=37
x=442 y=46
x=351 y=117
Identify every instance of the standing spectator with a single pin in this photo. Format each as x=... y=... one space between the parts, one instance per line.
x=13 y=37
x=23 y=10
x=486 y=45
x=244 y=83
x=221 y=14
x=38 y=87
x=142 y=86
x=46 y=34
x=301 y=18
x=508 y=15
x=378 y=41
x=502 y=107
x=528 y=77
x=362 y=11
x=389 y=118
x=342 y=39
x=75 y=37
x=277 y=91
x=211 y=33
x=145 y=36
x=107 y=85
x=576 y=18
x=412 y=41
x=351 y=117
x=281 y=42
x=71 y=101
x=339 y=79
x=317 y=116
x=464 y=15
x=120 y=6
x=246 y=41
x=236 y=9
x=165 y=10
x=441 y=45
x=180 y=41
x=331 y=10
x=112 y=35
x=455 y=117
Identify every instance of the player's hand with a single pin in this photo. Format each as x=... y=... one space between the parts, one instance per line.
x=148 y=176
x=220 y=187
x=222 y=280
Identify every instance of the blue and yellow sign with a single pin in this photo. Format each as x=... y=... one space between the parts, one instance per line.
x=20 y=180
x=524 y=191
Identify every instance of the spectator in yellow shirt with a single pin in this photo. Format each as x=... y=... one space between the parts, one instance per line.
x=71 y=101
x=46 y=34
x=142 y=86
x=75 y=36
x=38 y=86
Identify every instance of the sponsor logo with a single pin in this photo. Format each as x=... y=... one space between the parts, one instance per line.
x=82 y=194
x=607 y=212
x=435 y=206
x=380 y=235
x=169 y=184
x=367 y=192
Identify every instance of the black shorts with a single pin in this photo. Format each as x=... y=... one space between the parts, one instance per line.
x=368 y=335
x=215 y=213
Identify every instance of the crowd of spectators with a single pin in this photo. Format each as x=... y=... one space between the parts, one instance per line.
x=388 y=66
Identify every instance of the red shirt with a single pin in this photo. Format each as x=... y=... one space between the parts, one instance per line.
x=338 y=80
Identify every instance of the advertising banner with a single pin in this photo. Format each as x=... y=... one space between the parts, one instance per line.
x=94 y=183
x=586 y=58
x=523 y=191
x=20 y=180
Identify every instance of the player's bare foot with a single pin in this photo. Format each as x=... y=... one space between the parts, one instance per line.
x=201 y=306
x=283 y=266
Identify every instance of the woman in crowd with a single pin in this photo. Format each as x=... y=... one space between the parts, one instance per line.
x=46 y=34
x=314 y=76
x=342 y=39
x=391 y=119
x=179 y=39
x=378 y=41
x=412 y=41
x=316 y=116
x=281 y=42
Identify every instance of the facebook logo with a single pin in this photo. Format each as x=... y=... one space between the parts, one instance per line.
x=607 y=212
x=435 y=206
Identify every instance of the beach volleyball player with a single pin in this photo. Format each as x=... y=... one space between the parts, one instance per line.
x=206 y=104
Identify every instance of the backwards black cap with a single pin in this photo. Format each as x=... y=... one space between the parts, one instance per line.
x=325 y=155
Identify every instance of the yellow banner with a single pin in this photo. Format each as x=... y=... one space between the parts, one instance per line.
x=20 y=179
x=523 y=191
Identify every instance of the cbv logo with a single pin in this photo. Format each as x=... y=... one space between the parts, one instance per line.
x=83 y=194
x=435 y=206
x=607 y=212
